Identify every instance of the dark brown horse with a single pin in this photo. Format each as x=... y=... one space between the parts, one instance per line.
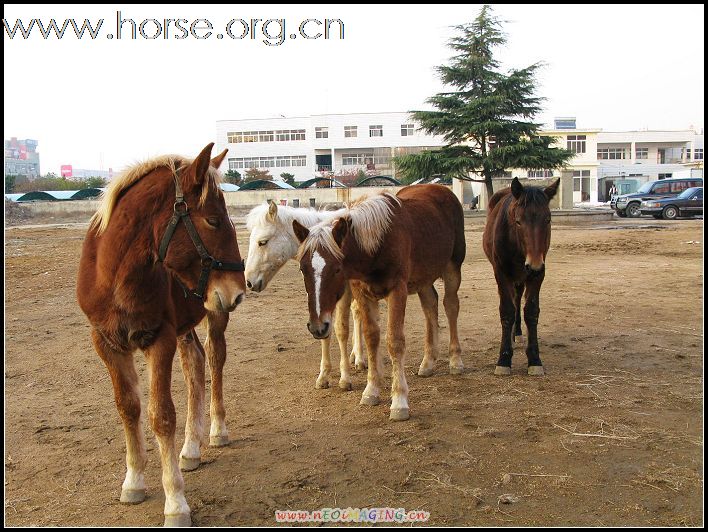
x=389 y=247
x=516 y=240
x=147 y=277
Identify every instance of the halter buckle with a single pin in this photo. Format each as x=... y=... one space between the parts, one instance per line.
x=178 y=204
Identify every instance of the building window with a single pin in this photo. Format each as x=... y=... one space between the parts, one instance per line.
x=350 y=131
x=698 y=154
x=665 y=176
x=611 y=153
x=250 y=136
x=376 y=131
x=283 y=161
x=357 y=159
x=642 y=153
x=265 y=136
x=576 y=185
x=688 y=154
x=407 y=130
x=321 y=132
x=235 y=138
x=576 y=143
x=537 y=174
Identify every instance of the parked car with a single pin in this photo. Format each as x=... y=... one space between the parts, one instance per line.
x=629 y=204
x=688 y=203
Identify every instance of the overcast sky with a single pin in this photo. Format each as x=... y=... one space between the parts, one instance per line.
x=106 y=102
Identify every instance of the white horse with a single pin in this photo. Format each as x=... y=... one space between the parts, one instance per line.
x=272 y=243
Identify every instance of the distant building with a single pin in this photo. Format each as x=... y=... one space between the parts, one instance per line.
x=21 y=158
x=322 y=145
x=81 y=173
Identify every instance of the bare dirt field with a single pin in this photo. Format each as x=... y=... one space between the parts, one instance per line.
x=612 y=435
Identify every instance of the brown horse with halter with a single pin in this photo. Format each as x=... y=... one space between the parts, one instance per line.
x=516 y=240
x=148 y=275
x=389 y=247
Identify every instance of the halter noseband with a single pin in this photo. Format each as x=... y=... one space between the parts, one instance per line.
x=181 y=212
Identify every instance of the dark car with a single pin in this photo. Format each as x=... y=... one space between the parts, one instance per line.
x=629 y=204
x=688 y=203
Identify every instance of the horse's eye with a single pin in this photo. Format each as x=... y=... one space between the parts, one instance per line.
x=338 y=270
x=214 y=222
x=262 y=242
x=518 y=222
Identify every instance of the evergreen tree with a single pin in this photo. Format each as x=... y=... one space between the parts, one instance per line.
x=488 y=121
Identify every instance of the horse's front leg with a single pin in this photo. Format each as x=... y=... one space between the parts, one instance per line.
x=532 y=311
x=322 y=381
x=192 y=357
x=396 y=343
x=507 y=315
x=341 y=329
x=163 y=420
x=369 y=308
x=216 y=352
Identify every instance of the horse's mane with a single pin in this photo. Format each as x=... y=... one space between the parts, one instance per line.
x=135 y=173
x=370 y=220
x=531 y=196
x=258 y=216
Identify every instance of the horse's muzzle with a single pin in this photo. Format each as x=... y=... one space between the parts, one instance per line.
x=319 y=331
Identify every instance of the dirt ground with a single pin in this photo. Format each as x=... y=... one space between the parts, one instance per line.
x=611 y=436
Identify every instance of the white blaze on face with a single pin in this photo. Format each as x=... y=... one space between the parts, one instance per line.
x=318 y=264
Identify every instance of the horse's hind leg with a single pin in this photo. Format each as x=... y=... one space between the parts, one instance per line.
x=126 y=391
x=517 y=322
x=357 y=357
x=429 y=301
x=341 y=329
x=452 y=277
x=532 y=311
x=164 y=421
x=192 y=357
x=216 y=351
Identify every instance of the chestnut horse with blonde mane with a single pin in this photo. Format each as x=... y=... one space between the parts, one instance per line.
x=159 y=254
x=516 y=240
x=388 y=247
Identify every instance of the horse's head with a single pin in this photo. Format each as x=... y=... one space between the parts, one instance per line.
x=321 y=264
x=204 y=203
x=270 y=246
x=530 y=217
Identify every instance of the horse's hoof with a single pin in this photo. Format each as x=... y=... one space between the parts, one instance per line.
x=361 y=366
x=322 y=384
x=189 y=464
x=536 y=371
x=456 y=370
x=218 y=441
x=502 y=370
x=425 y=372
x=178 y=520
x=128 y=496
x=369 y=400
x=346 y=385
x=399 y=414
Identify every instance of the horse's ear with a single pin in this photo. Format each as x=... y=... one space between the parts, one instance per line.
x=551 y=190
x=200 y=166
x=272 y=211
x=301 y=231
x=517 y=188
x=340 y=230
x=216 y=161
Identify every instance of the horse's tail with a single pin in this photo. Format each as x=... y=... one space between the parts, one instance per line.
x=459 y=249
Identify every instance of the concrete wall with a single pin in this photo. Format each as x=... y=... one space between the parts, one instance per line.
x=562 y=200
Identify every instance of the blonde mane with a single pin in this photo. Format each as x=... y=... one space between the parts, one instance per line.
x=370 y=221
x=135 y=173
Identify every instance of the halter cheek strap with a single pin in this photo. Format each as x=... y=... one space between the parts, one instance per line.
x=181 y=212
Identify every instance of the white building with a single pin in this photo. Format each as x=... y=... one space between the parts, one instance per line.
x=316 y=145
x=312 y=146
x=624 y=158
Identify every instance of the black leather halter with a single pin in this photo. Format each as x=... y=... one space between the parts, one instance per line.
x=181 y=212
